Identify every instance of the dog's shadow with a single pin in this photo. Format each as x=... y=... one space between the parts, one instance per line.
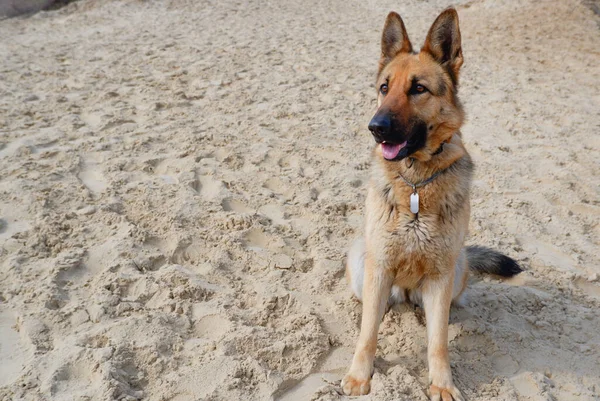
x=518 y=338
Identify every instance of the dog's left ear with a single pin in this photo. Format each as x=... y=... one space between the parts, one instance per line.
x=443 y=42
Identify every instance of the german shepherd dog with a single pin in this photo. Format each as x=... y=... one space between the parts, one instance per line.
x=417 y=206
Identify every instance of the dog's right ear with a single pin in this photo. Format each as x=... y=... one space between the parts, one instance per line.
x=443 y=42
x=394 y=39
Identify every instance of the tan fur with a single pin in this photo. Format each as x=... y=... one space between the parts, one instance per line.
x=418 y=256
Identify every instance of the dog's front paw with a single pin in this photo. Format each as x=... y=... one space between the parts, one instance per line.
x=445 y=394
x=354 y=386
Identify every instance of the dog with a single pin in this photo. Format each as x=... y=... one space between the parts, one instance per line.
x=417 y=205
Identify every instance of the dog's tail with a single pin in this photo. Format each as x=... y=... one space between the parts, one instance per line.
x=485 y=260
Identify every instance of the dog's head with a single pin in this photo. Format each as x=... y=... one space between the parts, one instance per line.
x=418 y=108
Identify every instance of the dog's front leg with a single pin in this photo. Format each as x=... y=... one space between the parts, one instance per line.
x=437 y=295
x=376 y=292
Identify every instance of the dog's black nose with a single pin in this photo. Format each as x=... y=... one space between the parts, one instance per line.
x=380 y=126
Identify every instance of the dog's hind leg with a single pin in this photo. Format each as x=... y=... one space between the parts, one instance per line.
x=355 y=267
x=355 y=273
x=461 y=277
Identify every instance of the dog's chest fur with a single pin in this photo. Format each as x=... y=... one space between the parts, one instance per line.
x=416 y=246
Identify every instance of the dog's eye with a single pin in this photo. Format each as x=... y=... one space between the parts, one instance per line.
x=418 y=88
x=383 y=89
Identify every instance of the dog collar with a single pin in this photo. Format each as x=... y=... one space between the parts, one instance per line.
x=414 y=197
x=410 y=161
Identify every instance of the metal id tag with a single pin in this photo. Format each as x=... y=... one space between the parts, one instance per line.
x=414 y=203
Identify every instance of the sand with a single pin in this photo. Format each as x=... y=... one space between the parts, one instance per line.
x=180 y=180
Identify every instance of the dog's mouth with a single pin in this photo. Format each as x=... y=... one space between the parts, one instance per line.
x=391 y=150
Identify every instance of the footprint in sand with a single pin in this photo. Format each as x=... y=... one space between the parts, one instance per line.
x=293 y=162
x=332 y=369
x=14 y=354
x=308 y=386
x=75 y=372
x=233 y=205
x=211 y=327
x=590 y=288
x=91 y=173
x=256 y=240
x=168 y=170
x=93 y=120
x=208 y=187
x=548 y=254
x=9 y=227
x=277 y=186
x=505 y=364
x=274 y=212
x=528 y=384
x=27 y=145
x=188 y=254
x=277 y=252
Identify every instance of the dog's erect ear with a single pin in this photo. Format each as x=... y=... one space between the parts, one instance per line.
x=443 y=42
x=394 y=39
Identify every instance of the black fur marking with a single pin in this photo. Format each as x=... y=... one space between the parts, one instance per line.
x=461 y=168
x=485 y=260
x=386 y=191
x=446 y=48
x=446 y=212
x=441 y=88
x=508 y=267
x=391 y=212
x=468 y=165
x=448 y=208
x=416 y=138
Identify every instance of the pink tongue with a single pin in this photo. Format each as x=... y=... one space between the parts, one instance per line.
x=390 y=150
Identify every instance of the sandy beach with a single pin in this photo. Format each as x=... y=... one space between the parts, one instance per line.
x=180 y=182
